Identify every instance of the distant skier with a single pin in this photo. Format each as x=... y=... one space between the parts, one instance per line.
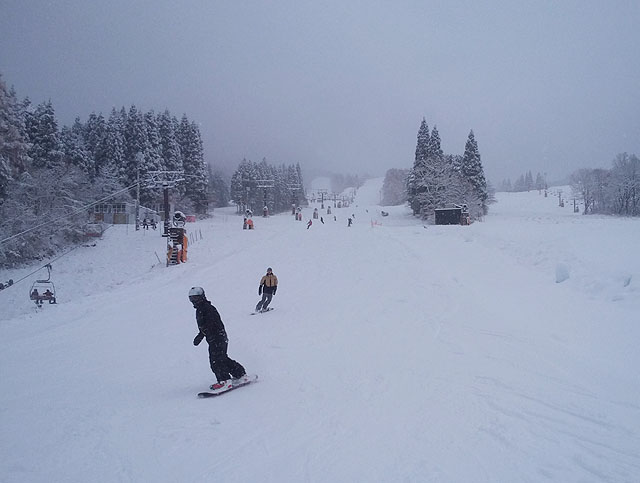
x=210 y=326
x=309 y=224
x=349 y=222
x=267 y=288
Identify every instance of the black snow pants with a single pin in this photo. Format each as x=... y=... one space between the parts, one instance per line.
x=222 y=365
x=264 y=303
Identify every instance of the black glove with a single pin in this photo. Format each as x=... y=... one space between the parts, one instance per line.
x=198 y=338
x=260 y=290
x=274 y=289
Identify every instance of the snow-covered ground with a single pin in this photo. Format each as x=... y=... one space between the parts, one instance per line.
x=396 y=352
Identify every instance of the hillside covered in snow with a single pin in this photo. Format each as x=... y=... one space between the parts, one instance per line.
x=502 y=351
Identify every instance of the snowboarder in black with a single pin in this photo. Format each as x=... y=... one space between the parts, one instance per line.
x=267 y=288
x=210 y=326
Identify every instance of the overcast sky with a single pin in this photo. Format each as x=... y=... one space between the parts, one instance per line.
x=546 y=86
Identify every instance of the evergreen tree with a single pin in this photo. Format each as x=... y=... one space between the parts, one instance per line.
x=437 y=177
x=94 y=134
x=301 y=181
x=294 y=183
x=135 y=145
x=243 y=184
x=73 y=147
x=434 y=151
x=195 y=169
x=114 y=144
x=141 y=156
x=218 y=188
x=171 y=157
x=13 y=139
x=528 y=180
x=472 y=170
x=44 y=137
x=417 y=173
x=393 y=188
x=153 y=153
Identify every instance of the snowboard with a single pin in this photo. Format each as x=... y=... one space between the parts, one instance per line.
x=262 y=311
x=250 y=378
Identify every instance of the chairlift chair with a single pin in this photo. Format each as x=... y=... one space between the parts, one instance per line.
x=42 y=290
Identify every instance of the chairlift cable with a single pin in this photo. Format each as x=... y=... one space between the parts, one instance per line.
x=40 y=268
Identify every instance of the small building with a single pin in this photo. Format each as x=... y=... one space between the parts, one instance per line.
x=121 y=213
x=448 y=216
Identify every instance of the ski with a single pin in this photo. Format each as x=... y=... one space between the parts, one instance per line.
x=244 y=382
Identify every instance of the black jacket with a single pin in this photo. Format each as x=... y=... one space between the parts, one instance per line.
x=210 y=325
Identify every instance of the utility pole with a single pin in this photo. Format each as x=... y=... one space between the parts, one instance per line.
x=176 y=240
x=294 y=187
x=139 y=159
x=322 y=192
x=165 y=189
x=137 y=198
x=165 y=180
x=265 y=184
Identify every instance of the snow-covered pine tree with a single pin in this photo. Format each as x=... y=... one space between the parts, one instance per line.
x=154 y=146
x=139 y=156
x=472 y=170
x=135 y=144
x=13 y=138
x=195 y=169
x=505 y=185
x=520 y=184
x=294 y=184
x=44 y=137
x=73 y=147
x=243 y=184
x=94 y=134
x=218 y=189
x=301 y=181
x=393 y=187
x=528 y=179
x=417 y=173
x=114 y=145
x=434 y=150
x=437 y=178
x=172 y=160
x=282 y=196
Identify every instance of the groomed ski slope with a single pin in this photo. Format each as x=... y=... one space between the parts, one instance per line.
x=396 y=353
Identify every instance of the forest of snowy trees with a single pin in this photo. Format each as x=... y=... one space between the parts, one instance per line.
x=254 y=185
x=614 y=191
x=48 y=173
x=439 y=180
x=394 y=187
x=525 y=182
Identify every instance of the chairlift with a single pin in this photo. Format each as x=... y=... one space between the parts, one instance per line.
x=42 y=290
